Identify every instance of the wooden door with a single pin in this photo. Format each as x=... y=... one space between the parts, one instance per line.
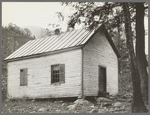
x=102 y=79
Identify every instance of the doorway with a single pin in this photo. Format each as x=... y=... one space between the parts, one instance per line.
x=102 y=79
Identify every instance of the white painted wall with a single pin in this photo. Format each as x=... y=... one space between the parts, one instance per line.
x=97 y=52
x=39 y=76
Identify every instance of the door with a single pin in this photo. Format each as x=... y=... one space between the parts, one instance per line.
x=102 y=79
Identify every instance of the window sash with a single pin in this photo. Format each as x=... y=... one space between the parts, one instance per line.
x=57 y=75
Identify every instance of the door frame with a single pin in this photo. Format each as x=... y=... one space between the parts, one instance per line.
x=99 y=76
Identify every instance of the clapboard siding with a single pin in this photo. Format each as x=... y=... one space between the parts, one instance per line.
x=97 y=52
x=39 y=76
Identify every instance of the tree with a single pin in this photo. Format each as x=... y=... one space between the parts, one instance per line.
x=138 y=104
x=28 y=32
x=88 y=10
x=55 y=26
x=140 y=50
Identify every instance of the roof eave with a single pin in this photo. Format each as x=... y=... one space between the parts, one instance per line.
x=44 y=54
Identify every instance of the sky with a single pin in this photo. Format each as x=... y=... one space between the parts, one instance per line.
x=32 y=13
x=39 y=14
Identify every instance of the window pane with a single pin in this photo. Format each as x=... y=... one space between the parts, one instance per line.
x=56 y=71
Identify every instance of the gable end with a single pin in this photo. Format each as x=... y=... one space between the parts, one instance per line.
x=110 y=41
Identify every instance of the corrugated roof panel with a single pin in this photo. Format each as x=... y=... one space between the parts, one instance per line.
x=13 y=55
x=38 y=45
x=57 y=43
x=28 y=48
x=86 y=38
x=64 y=40
x=55 y=40
x=69 y=37
x=81 y=40
x=77 y=36
x=76 y=32
x=48 y=42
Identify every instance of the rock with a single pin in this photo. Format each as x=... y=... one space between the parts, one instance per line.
x=92 y=106
x=94 y=111
x=70 y=106
x=33 y=100
x=7 y=100
x=117 y=104
x=83 y=102
x=55 y=101
x=112 y=97
x=80 y=105
x=121 y=99
x=49 y=109
x=129 y=100
x=128 y=95
x=58 y=111
x=42 y=109
x=60 y=101
x=106 y=104
x=64 y=104
x=74 y=108
x=103 y=99
x=119 y=109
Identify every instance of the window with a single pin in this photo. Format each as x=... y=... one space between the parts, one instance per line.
x=23 y=77
x=58 y=73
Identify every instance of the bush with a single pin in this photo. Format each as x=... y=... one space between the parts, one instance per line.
x=4 y=84
x=125 y=83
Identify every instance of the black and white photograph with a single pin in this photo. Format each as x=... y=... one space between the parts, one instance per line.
x=74 y=57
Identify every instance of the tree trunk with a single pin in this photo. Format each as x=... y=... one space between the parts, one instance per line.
x=118 y=44
x=137 y=104
x=140 y=50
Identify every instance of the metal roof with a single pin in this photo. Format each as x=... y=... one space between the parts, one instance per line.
x=53 y=43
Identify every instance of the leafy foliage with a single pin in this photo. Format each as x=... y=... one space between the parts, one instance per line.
x=13 y=37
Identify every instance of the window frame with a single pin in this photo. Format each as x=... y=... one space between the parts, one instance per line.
x=60 y=74
x=24 y=77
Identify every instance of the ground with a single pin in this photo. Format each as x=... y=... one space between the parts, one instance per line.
x=124 y=99
x=119 y=104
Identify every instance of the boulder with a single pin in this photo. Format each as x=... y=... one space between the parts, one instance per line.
x=103 y=99
x=60 y=101
x=128 y=95
x=75 y=108
x=7 y=100
x=92 y=106
x=94 y=111
x=33 y=100
x=117 y=104
x=121 y=99
x=64 y=104
x=83 y=102
x=80 y=105
x=129 y=100
x=42 y=109
x=107 y=104
x=70 y=106
x=58 y=111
